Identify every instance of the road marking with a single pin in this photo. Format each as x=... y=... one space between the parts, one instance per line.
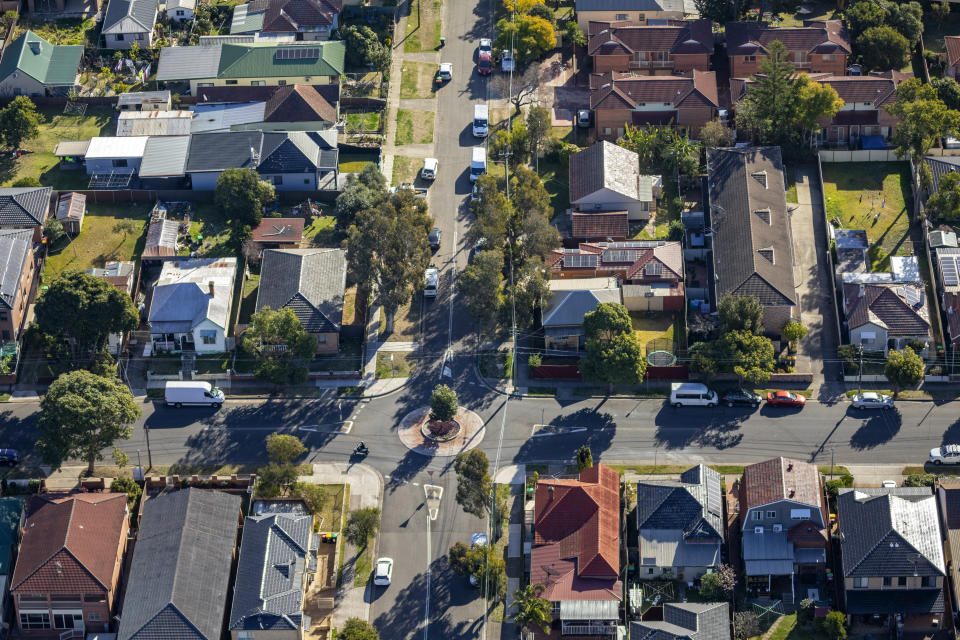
x=453 y=282
x=344 y=427
x=544 y=430
x=426 y=609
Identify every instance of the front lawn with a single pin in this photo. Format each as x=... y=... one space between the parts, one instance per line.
x=416 y=80
x=873 y=196
x=355 y=162
x=395 y=364
x=213 y=363
x=414 y=127
x=363 y=121
x=349 y=358
x=406 y=322
x=97 y=243
x=423 y=26
x=405 y=169
x=657 y=326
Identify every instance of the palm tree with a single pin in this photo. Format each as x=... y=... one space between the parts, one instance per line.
x=532 y=610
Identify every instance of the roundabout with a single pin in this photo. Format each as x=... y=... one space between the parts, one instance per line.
x=433 y=438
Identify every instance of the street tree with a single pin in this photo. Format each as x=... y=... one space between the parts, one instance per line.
x=492 y=212
x=480 y=285
x=85 y=310
x=746 y=354
x=443 y=403
x=573 y=34
x=584 y=458
x=945 y=202
x=281 y=346
x=474 y=486
x=362 y=524
x=714 y=134
x=883 y=47
x=541 y=10
x=532 y=609
x=741 y=313
x=81 y=415
x=606 y=322
x=283 y=448
x=519 y=7
x=485 y=564
x=457 y=559
x=903 y=369
x=538 y=129
x=241 y=195
x=523 y=90
x=620 y=361
x=19 y=122
x=274 y=479
x=948 y=90
x=532 y=36
x=362 y=191
x=530 y=291
x=358 y=629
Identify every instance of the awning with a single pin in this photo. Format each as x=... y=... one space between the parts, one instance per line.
x=769 y=567
x=855 y=117
x=810 y=556
x=895 y=601
x=589 y=609
x=67 y=148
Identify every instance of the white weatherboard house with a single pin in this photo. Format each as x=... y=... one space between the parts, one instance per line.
x=190 y=309
x=114 y=155
x=606 y=177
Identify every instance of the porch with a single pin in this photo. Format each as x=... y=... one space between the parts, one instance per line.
x=171 y=343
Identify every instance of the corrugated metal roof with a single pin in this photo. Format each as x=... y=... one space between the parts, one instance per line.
x=221 y=117
x=188 y=63
x=589 y=609
x=66 y=148
x=14 y=249
x=769 y=567
x=126 y=147
x=165 y=157
x=154 y=123
x=144 y=97
x=246 y=21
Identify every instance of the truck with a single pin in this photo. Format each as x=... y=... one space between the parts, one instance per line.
x=481 y=120
x=192 y=393
x=478 y=163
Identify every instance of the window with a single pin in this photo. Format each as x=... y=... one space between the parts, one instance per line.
x=607 y=131
x=277 y=180
x=828 y=57
x=758 y=515
x=6 y=334
x=749 y=58
x=139 y=36
x=204 y=84
x=179 y=12
x=902 y=581
x=860 y=583
x=34 y=620
x=649 y=571
x=245 y=635
x=208 y=336
x=322 y=338
x=119 y=162
x=927 y=581
x=231 y=82
x=67 y=620
x=94 y=617
x=119 y=37
x=623 y=16
x=281 y=83
x=258 y=83
x=771 y=514
x=887 y=581
x=3 y=315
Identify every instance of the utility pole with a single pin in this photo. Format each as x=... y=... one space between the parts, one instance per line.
x=860 y=369
x=146 y=432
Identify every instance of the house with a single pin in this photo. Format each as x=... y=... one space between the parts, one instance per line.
x=570 y=301
x=115 y=156
x=212 y=118
x=278 y=233
x=311 y=282
x=18 y=280
x=277 y=561
x=122 y=275
x=71 y=208
x=883 y=316
x=181 y=10
x=852 y=246
x=164 y=162
x=11 y=523
x=25 y=208
x=680 y=525
x=129 y=21
x=819 y=46
x=190 y=309
x=752 y=243
x=31 y=66
x=145 y=101
x=948 y=499
x=952 y=44
x=686 y=621
x=253 y=64
x=892 y=557
x=298 y=107
x=154 y=123
x=161 y=237
x=69 y=564
x=661 y=49
x=181 y=566
x=783 y=520
x=292 y=107
x=642 y=12
x=306 y=20
x=940 y=166
x=685 y=102
x=575 y=553
x=606 y=177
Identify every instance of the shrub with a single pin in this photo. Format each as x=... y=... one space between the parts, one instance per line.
x=920 y=480
x=676 y=230
x=805 y=611
x=443 y=403
x=843 y=482
x=127 y=486
x=535 y=360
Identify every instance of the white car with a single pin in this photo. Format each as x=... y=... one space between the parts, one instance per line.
x=871 y=400
x=476 y=540
x=888 y=484
x=383 y=572
x=947 y=454
x=486 y=46
x=506 y=62
x=429 y=170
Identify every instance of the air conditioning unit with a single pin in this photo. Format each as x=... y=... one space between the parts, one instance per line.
x=777 y=528
x=758 y=529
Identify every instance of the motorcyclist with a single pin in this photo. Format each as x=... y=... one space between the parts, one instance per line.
x=362 y=446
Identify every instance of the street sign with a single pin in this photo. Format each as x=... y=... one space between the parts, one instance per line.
x=433 y=494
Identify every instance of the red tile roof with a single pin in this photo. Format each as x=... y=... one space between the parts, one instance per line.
x=285 y=230
x=606 y=224
x=70 y=543
x=953 y=49
x=877 y=89
x=576 y=552
x=820 y=36
x=780 y=479
x=626 y=91
x=298 y=103
x=887 y=306
x=630 y=256
x=694 y=36
x=294 y=15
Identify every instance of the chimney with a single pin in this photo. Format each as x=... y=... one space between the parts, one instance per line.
x=550 y=492
x=861 y=291
x=210 y=285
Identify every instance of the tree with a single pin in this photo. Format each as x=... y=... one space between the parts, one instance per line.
x=241 y=194
x=940 y=11
x=519 y=7
x=532 y=610
x=573 y=34
x=745 y=625
x=127 y=486
x=538 y=129
x=645 y=142
x=485 y=564
x=945 y=203
x=532 y=36
x=493 y=213
x=313 y=495
x=443 y=403
x=719 y=11
x=864 y=15
x=480 y=285
x=8 y=20
x=741 y=313
x=948 y=90
x=281 y=345
x=275 y=479
x=120 y=458
x=806 y=611
x=53 y=231
x=835 y=624
x=923 y=119
x=541 y=10
x=606 y=322
x=621 y=361
x=81 y=415
x=676 y=230
x=584 y=458
x=19 y=121
x=883 y=48
x=903 y=369
x=531 y=289
x=814 y=101
x=793 y=331
x=364 y=47
x=474 y=486
x=358 y=629
x=361 y=526
x=457 y=559
x=362 y=191
x=283 y=448
x=906 y=18
x=523 y=90
x=126 y=226
x=718 y=585
x=746 y=354
x=85 y=309
x=714 y=134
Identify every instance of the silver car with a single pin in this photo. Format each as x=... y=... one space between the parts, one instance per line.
x=383 y=572
x=871 y=400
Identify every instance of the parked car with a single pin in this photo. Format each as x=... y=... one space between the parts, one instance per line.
x=444 y=73
x=583 y=118
x=476 y=540
x=871 y=400
x=475 y=192
x=383 y=572
x=486 y=47
x=429 y=170
x=506 y=62
x=434 y=237
x=889 y=484
x=485 y=64
x=431 y=282
x=9 y=457
x=742 y=396
x=785 y=399
x=947 y=454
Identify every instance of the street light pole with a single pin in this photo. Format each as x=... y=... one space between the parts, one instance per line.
x=146 y=432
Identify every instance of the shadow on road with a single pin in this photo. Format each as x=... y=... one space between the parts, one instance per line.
x=877 y=430
x=598 y=429
x=409 y=466
x=717 y=428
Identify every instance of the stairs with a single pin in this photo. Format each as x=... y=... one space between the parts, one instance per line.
x=188 y=361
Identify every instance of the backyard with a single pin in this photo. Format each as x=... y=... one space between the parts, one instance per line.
x=210 y=231
x=653 y=326
x=355 y=162
x=935 y=30
x=872 y=196
x=423 y=26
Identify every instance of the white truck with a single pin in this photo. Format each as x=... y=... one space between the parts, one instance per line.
x=481 y=120
x=478 y=163
x=192 y=393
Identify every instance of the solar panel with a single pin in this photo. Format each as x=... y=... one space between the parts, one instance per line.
x=713 y=494
x=950 y=271
x=619 y=255
x=633 y=244
x=912 y=296
x=297 y=53
x=580 y=260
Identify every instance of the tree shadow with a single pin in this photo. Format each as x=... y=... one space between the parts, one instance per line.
x=587 y=426
x=720 y=429
x=407 y=468
x=877 y=430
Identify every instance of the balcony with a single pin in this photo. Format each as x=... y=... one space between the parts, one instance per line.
x=803 y=66
x=651 y=64
x=589 y=629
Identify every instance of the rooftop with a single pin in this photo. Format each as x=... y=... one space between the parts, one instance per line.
x=311 y=282
x=780 y=479
x=191 y=291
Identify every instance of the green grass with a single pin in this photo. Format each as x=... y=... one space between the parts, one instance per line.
x=330 y=514
x=660 y=326
x=544 y=392
x=213 y=363
x=405 y=169
x=355 y=162
x=355 y=390
x=395 y=364
x=322 y=232
x=556 y=181
x=416 y=80
x=155 y=393
x=364 y=564
x=788 y=629
x=363 y=121
x=495 y=364
x=856 y=193
x=414 y=127
x=423 y=26
x=164 y=365
x=248 y=304
x=209 y=222
x=287 y=391
x=791 y=187
x=619 y=390
x=97 y=244
x=819 y=11
x=64 y=31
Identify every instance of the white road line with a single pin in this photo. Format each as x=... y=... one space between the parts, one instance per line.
x=453 y=282
x=426 y=609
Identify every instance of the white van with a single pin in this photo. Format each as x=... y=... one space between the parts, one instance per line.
x=480 y=121
x=430 y=166
x=431 y=280
x=478 y=163
x=196 y=393
x=692 y=394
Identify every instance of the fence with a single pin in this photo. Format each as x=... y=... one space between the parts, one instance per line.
x=858 y=155
x=117 y=196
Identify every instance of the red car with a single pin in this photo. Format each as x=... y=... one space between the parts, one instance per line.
x=484 y=64
x=785 y=399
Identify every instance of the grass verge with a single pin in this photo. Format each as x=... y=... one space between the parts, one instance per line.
x=395 y=364
x=414 y=127
x=405 y=169
x=545 y=392
x=416 y=80
x=350 y=390
x=423 y=26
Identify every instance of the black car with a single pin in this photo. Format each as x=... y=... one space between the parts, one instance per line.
x=9 y=457
x=435 y=238
x=742 y=396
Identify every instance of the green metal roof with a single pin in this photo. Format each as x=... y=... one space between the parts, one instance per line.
x=48 y=64
x=262 y=61
x=10 y=510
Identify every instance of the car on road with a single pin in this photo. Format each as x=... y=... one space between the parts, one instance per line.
x=9 y=457
x=871 y=400
x=431 y=282
x=476 y=540
x=506 y=62
x=434 y=237
x=383 y=572
x=475 y=192
x=444 y=73
x=486 y=47
x=785 y=399
x=583 y=118
x=742 y=397
x=485 y=64
x=429 y=170
x=947 y=454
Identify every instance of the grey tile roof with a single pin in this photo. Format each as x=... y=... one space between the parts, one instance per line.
x=743 y=182
x=164 y=156
x=181 y=567
x=186 y=63
x=692 y=506
x=686 y=620
x=939 y=167
x=309 y=281
x=890 y=532
x=130 y=16
x=567 y=308
x=293 y=152
x=268 y=593
x=683 y=6
x=24 y=206
x=606 y=165
x=14 y=253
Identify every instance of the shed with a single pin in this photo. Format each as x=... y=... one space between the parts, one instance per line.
x=154 y=123
x=71 y=153
x=71 y=207
x=279 y=233
x=161 y=238
x=144 y=100
x=115 y=155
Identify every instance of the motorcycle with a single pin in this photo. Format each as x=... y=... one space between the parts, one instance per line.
x=360 y=450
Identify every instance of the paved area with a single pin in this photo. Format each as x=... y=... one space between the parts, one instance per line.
x=471 y=433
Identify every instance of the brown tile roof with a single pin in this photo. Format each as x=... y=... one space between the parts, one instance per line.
x=627 y=91
x=576 y=552
x=632 y=256
x=298 y=103
x=877 y=89
x=885 y=305
x=604 y=224
x=826 y=36
x=780 y=479
x=234 y=94
x=953 y=49
x=286 y=230
x=70 y=543
x=294 y=15
x=951 y=306
x=694 y=36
